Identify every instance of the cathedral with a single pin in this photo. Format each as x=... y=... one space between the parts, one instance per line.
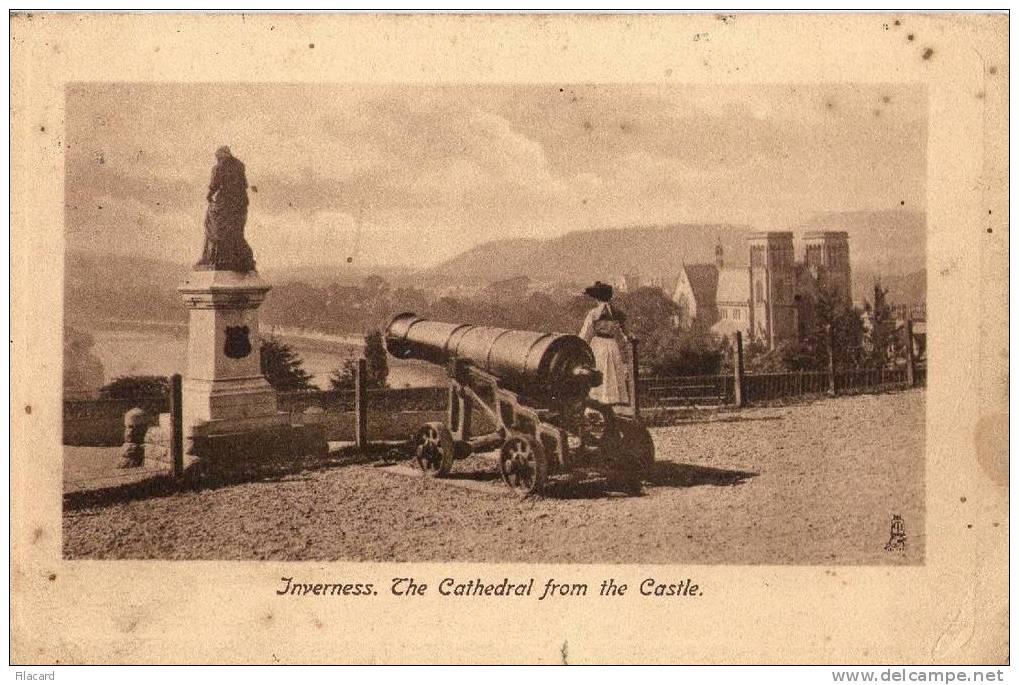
x=770 y=301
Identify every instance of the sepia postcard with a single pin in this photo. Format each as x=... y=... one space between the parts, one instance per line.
x=583 y=339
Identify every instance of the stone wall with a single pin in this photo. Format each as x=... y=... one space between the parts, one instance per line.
x=100 y=422
x=382 y=425
x=97 y=422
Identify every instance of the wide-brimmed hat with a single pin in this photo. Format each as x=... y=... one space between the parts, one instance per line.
x=599 y=291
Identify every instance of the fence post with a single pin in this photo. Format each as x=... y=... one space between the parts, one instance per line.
x=635 y=375
x=831 y=360
x=176 y=425
x=910 y=357
x=739 y=389
x=361 y=404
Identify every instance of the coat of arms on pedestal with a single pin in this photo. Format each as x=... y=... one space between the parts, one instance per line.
x=237 y=345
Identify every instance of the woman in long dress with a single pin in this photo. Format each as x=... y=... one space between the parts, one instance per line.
x=601 y=328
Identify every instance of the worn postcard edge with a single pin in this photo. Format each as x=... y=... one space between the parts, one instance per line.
x=953 y=608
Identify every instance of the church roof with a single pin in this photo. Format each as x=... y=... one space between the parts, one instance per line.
x=703 y=280
x=733 y=285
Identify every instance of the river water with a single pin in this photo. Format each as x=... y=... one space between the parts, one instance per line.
x=140 y=349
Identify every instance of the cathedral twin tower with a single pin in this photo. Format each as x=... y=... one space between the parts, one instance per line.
x=783 y=291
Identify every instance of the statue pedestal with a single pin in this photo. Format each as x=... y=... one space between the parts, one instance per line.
x=228 y=406
x=224 y=378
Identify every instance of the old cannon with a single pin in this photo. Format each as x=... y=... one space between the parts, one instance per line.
x=532 y=390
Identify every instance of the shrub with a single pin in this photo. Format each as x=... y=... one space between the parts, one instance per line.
x=377 y=366
x=283 y=368
x=137 y=388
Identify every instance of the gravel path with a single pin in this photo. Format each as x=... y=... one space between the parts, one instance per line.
x=807 y=484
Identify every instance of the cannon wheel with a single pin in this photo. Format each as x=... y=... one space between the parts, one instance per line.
x=433 y=449
x=635 y=456
x=522 y=464
x=638 y=445
x=462 y=449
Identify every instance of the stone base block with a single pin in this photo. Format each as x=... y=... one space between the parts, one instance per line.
x=259 y=447
x=253 y=440
x=236 y=444
x=157 y=447
x=227 y=399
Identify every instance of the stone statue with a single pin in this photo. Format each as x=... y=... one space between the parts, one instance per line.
x=225 y=247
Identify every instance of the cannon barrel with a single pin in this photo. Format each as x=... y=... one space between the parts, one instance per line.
x=549 y=366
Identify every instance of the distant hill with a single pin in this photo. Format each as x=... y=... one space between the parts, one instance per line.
x=891 y=243
x=651 y=251
x=339 y=274
x=99 y=286
x=484 y=263
x=903 y=289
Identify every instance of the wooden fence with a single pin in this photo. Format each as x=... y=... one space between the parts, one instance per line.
x=392 y=399
x=90 y=420
x=742 y=388
x=388 y=413
x=96 y=421
x=665 y=392
x=680 y=391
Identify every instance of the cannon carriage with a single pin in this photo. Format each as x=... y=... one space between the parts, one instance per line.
x=531 y=388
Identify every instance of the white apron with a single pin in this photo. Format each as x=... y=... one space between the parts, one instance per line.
x=600 y=330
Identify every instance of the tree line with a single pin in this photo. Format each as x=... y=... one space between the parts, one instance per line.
x=666 y=347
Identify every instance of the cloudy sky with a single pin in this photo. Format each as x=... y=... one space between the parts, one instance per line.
x=414 y=175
